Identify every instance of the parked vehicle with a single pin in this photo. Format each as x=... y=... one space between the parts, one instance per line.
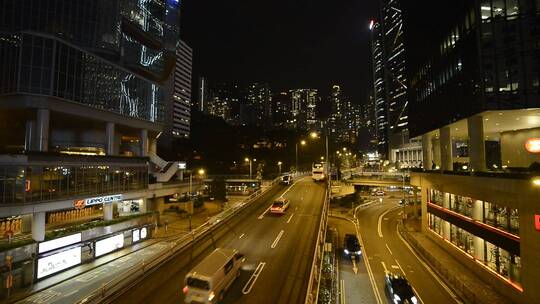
x=209 y=280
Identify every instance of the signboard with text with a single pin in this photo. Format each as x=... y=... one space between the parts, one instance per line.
x=81 y=203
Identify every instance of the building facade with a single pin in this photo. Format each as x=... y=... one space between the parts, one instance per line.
x=379 y=90
x=84 y=91
x=475 y=105
x=182 y=91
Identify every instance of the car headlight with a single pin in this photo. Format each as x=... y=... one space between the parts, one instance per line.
x=414 y=300
x=359 y=252
x=346 y=251
x=397 y=298
x=211 y=296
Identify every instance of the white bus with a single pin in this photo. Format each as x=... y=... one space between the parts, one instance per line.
x=209 y=280
x=318 y=172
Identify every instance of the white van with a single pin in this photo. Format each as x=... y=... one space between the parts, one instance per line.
x=210 y=279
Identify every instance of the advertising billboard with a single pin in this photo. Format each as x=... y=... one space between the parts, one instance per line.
x=57 y=262
x=109 y=244
x=59 y=242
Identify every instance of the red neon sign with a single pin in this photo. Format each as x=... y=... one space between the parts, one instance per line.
x=533 y=145
x=537 y=221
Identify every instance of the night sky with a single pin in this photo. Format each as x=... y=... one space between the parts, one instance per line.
x=287 y=43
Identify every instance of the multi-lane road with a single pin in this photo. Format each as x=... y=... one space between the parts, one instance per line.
x=278 y=252
x=384 y=250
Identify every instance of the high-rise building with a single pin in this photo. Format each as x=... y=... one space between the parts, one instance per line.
x=182 y=91
x=259 y=99
x=225 y=102
x=395 y=80
x=84 y=91
x=389 y=77
x=379 y=90
x=303 y=108
x=203 y=97
x=475 y=104
x=282 y=110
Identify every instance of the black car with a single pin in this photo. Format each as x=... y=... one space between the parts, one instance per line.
x=352 y=246
x=399 y=288
x=286 y=180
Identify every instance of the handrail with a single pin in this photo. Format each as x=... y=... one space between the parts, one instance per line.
x=316 y=265
x=131 y=276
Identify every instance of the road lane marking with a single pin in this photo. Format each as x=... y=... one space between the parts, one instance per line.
x=384 y=266
x=354 y=268
x=274 y=244
x=399 y=265
x=417 y=295
x=389 y=249
x=289 y=220
x=342 y=291
x=395 y=267
x=450 y=292
x=262 y=214
x=288 y=189
x=241 y=236
x=379 y=225
x=253 y=278
x=366 y=259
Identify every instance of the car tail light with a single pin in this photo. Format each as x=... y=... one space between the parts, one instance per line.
x=185 y=290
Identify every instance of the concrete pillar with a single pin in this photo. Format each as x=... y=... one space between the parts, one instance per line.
x=446 y=149
x=478 y=211
x=144 y=142
x=143 y=207
x=42 y=130
x=38 y=226
x=110 y=138
x=427 y=146
x=26 y=223
x=446 y=229
x=477 y=150
x=29 y=135
x=108 y=213
x=152 y=145
x=478 y=248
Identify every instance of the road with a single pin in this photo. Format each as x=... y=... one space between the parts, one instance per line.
x=354 y=284
x=282 y=246
x=386 y=251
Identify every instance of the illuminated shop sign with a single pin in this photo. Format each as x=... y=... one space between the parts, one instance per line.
x=58 y=262
x=537 y=222
x=109 y=244
x=182 y=165
x=533 y=145
x=59 y=242
x=97 y=200
x=139 y=234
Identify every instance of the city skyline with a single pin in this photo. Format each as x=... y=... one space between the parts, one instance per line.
x=320 y=43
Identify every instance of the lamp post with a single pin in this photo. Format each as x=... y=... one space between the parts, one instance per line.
x=250 y=160
x=303 y=143
x=327 y=159
x=279 y=165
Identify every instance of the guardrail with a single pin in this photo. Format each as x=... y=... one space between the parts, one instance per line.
x=463 y=291
x=312 y=293
x=134 y=275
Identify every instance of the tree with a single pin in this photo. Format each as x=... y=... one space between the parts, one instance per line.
x=218 y=189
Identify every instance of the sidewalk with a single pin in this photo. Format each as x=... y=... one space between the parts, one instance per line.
x=459 y=278
x=135 y=254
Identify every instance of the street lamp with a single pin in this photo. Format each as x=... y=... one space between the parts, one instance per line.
x=303 y=143
x=279 y=163
x=247 y=159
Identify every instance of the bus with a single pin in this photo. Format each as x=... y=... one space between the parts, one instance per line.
x=318 y=172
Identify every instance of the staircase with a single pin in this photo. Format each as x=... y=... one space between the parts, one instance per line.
x=166 y=169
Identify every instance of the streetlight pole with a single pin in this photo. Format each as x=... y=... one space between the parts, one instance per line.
x=279 y=165
x=296 y=149
x=247 y=159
